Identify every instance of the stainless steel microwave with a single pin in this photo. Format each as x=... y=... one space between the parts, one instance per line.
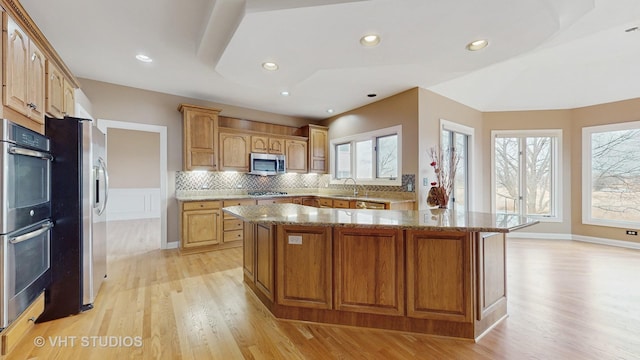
x=267 y=164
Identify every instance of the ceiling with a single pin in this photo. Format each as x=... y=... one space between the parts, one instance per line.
x=542 y=54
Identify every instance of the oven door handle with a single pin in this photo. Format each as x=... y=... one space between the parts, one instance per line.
x=27 y=152
x=30 y=235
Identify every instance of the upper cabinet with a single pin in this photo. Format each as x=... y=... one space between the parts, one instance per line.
x=35 y=80
x=200 y=132
x=318 y=148
x=234 y=150
x=24 y=73
x=296 y=156
x=55 y=91
x=267 y=145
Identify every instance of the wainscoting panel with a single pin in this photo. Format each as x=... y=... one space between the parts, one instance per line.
x=129 y=204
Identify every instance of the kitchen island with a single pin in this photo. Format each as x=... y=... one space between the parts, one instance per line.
x=436 y=271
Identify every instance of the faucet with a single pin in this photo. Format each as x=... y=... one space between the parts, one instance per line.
x=355 y=185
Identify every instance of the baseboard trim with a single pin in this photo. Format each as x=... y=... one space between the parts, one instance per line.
x=610 y=242
x=540 y=236
x=172 y=245
x=571 y=237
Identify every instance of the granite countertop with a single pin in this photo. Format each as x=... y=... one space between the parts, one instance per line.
x=436 y=220
x=217 y=196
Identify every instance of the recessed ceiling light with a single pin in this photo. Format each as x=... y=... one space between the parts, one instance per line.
x=270 y=66
x=284 y=93
x=477 y=45
x=632 y=29
x=372 y=95
x=144 y=58
x=370 y=40
x=330 y=111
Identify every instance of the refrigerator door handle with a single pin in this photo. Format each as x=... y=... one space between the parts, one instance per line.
x=103 y=166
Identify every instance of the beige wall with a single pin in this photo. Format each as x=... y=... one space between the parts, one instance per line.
x=535 y=120
x=120 y=103
x=134 y=159
x=617 y=112
x=433 y=108
x=400 y=109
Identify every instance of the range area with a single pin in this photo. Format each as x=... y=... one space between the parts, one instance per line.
x=266 y=193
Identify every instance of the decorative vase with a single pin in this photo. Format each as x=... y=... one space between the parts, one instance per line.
x=438 y=197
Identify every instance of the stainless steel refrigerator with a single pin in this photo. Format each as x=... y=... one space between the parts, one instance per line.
x=79 y=193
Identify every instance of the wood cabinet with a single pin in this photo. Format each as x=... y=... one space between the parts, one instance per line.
x=199 y=135
x=232 y=227
x=24 y=73
x=318 y=148
x=55 y=91
x=249 y=252
x=369 y=270
x=12 y=335
x=304 y=253
x=234 y=151
x=283 y=200
x=267 y=145
x=492 y=280
x=439 y=276
x=296 y=153
x=264 y=257
x=201 y=224
x=68 y=99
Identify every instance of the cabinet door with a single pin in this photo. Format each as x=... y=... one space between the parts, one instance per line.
x=69 y=99
x=55 y=90
x=369 y=270
x=200 y=228
x=16 y=66
x=439 y=276
x=249 y=251
x=304 y=253
x=296 y=152
x=259 y=144
x=199 y=140
x=264 y=271
x=276 y=146
x=36 y=84
x=318 y=151
x=234 y=151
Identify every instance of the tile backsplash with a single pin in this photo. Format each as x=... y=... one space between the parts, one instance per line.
x=195 y=180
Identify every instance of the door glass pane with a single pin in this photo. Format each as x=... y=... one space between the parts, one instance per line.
x=538 y=175
x=343 y=161
x=507 y=184
x=364 y=159
x=387 y=156
x=460 y=181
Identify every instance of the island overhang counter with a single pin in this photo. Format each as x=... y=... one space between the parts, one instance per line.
x=435 y=271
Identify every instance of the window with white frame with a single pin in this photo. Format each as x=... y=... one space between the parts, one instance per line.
x=371 y=158
x=526 y=173
x=611 y=175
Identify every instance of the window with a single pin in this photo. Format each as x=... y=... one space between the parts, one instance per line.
x=611 y=175
x=370 y=158
x=459 y=138
x=526 y=173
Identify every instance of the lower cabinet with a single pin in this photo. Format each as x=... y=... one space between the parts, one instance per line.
x=264 y=246
x=304 y=253
x=201 y=224
x=439 y=275
x=232 y=227
x=17 y=330
x=369 y=270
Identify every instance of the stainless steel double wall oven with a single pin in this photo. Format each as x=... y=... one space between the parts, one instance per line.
x=25 y=218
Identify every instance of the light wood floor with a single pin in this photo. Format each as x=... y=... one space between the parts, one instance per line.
x=567 y=300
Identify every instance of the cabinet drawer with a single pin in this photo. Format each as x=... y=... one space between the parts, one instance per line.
x=239 y=202
x=232 y=224
x=341 y=204
x=274 y=201
x=199 y=205
x=232 y=235
x=325 y=202
x=11 y=335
